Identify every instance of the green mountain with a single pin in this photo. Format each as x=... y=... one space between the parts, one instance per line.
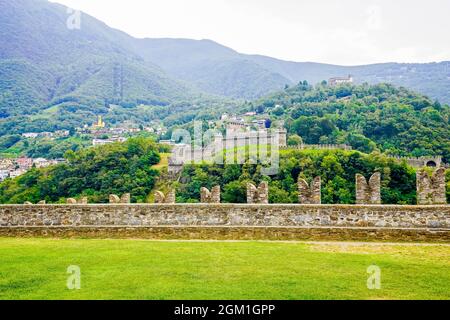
x=52 y=77
x=212 y=67
x=206 y=63
x=35 y=32
x=44 y=63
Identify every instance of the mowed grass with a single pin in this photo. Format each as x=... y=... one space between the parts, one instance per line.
x=135 y=269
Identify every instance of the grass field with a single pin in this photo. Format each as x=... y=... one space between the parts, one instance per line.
x=134 y=269
x=164 y=163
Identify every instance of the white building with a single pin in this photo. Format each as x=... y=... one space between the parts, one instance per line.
x=102 y=142
x=340 y=80
x=4 y=174
x=41 y=163
x=17 y=173
x=30 y=135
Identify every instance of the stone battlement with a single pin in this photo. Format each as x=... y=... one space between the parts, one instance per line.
x=230 y=221
x=420 y=162
x=319 y=147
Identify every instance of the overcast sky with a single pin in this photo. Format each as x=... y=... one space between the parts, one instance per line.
x=347 y=32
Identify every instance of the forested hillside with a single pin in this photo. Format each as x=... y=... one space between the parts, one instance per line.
x=127 y=167
x=336 y=168
x=92 y=172
x=49 y=71
x=54 y=78
x=383 y=117
x=47 y=68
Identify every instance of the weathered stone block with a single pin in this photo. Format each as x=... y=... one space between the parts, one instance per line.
x=210 y=197
x=258 y=195
x=368 y=193
x=431 y=190
x=114 y=199
x=42 y=202
x=169 y=198
x=126 y=198
x=71 y=201
x=310 y=194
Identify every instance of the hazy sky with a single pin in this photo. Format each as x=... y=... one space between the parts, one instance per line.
x=345 y=32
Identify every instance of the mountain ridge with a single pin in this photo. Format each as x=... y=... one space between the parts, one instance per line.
x=57 y=64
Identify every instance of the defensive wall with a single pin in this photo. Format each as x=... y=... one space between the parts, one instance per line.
x=229 y=222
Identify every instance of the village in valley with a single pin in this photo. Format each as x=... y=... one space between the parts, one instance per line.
x=96 y=134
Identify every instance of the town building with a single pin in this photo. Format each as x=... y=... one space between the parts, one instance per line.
x=102 y=142
x=17 y=173
x=4 y=174
x=62 y=133
x=30 y=135
x=7 y=164
x=24 y=163
x=42 y=163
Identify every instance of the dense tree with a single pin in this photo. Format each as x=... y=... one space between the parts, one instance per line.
x=393 y=120
x=295 y=140
x=337 y=169
x=94 y=172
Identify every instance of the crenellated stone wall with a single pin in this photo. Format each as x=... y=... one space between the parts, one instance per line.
x=227 y=214
x=255 y=221
x=310 y=194
x=212 y=196
x=431 y=190
x=368 y=192
x=124 y=199
x=169 y=198
x=258 y=195
x=83 y=200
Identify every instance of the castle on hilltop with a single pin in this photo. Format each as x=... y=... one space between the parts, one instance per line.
x=340 y=80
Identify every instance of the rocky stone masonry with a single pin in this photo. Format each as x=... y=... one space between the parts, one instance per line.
x=212 y=196
x=114 y=199
x=161 y=198
x=258 y=195
x=73 y=201
x=126 y=198
x=368 y=193
x=234 y=233
x=431 y=190
x=200 y=215
x=310 y=194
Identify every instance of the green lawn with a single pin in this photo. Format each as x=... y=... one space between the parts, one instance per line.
x=134 y=269
x=163 y=163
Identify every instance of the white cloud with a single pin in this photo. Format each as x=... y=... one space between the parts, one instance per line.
x=334 y=31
